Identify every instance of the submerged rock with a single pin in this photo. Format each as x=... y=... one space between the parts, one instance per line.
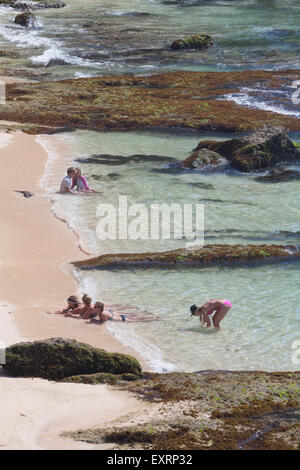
x=200 y=41
x=121 y=160
x=278 y=175
x=258 y=151
x=208 y=255
x=57 y=358
x=25 y=19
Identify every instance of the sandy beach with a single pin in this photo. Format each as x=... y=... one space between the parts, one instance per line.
x=35 y=250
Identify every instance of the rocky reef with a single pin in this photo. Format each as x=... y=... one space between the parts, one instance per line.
x=182 y=100
x=209 y=410
x=58 y=358
x=208 y=255
x=200 y=41
x=260 y=150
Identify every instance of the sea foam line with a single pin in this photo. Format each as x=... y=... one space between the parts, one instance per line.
x=247 y=100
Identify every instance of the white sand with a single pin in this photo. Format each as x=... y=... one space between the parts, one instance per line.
x=33 y=247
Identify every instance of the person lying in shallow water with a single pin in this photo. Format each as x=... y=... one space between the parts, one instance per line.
x=219 y=307
x=86 y=311
x=111 y=315
x=73 y=307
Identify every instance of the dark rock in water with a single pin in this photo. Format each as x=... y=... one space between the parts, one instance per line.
x=258 y=151
x=25 y=19
x=215 y=254
x=204 y=159
x=201 y=41
x=224 y=201
x=278 y=175
x=202 y=185
x=131 y=13
x=57 y=358
x=114 y=176
x=121 y=160
x=54 y=62
x=25 y=193
x=109 y=177
x=171 y=168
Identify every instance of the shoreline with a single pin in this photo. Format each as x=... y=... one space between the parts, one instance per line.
x=36 y=250
x=35 y=275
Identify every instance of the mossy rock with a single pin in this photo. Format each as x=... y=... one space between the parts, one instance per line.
x=101 y=378
x=25 y=19
x=260 y=150
x=208 y=255
x=206 y=160
x=57 y=358
x=200 y=41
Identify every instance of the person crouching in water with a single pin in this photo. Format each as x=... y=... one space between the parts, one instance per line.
x=217 y=307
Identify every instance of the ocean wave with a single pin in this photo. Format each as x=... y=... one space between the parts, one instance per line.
x=245 y=99
x=53 y=49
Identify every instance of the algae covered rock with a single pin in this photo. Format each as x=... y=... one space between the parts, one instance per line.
x=215 y=254
x=25 y=19
x=204 y=159
x=200 y=41
x=102 y=377
x=258 y=151
x=57 y=358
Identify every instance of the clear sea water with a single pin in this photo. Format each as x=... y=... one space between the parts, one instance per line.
x=259 y=331
x=133 y=36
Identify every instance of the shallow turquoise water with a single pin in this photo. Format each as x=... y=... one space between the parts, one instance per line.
x=259 y=330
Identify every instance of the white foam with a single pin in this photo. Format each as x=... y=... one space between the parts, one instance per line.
x=54 y=50
x=151 y=353
x=245 y=99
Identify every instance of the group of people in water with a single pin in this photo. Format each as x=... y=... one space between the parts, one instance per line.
x=75 y=183
x=211 y=312
x=88 y=311
x=214 y=308
x=97 y=312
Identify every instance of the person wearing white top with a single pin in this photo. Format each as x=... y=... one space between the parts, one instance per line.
x=67 y=182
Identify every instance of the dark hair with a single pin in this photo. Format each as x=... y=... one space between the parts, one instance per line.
x=99 y=305
x=193 y=309
x=73 y=299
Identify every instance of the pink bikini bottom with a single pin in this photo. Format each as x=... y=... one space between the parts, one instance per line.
x=226 y=302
